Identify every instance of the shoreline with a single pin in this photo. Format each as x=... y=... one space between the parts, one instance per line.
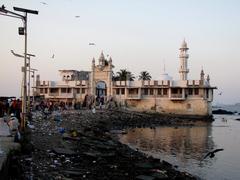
x=92 y=152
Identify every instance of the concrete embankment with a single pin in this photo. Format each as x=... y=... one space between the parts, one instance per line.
x=81 y=146
x=7 y=145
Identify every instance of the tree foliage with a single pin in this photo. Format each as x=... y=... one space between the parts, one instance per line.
x=144 y=75
x=123 y=75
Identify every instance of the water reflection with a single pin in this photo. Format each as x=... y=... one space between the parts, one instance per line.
x=183 y=146
x=182 y=142
x=186 y=146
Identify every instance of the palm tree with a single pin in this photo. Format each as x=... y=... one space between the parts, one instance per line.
x=115 y=77
x=144 y=75
x=124 y=75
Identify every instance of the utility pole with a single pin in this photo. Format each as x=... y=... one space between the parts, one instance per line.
x=33 y=76
x=22 y=31
x=29 y=81
x=29 y=77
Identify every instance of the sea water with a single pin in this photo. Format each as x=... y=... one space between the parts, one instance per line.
x=186 y=146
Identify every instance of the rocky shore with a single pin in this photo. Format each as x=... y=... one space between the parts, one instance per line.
x=83 y=145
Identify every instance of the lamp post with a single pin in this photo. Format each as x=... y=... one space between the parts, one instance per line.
x=28 y=68
x=29 y=80
x=33 y=76
x=22 y=31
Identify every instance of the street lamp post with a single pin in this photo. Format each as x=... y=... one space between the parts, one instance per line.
x=29 y=80
x=33 y=76
x=6 y=12
x=29 y=71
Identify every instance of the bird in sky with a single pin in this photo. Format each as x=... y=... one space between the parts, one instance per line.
x=220 y=93
x=92 y=44
x=77 y=16
x=43 y=3
x=52 y=56
x=211 y=154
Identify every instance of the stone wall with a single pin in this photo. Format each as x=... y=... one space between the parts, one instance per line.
x=164 y=105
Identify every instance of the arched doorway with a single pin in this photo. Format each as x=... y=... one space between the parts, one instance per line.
x=101 y=89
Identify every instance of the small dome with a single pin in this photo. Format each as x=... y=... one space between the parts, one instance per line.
x=184 y=45
x=165 y=76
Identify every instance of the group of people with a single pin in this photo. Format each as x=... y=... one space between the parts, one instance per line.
x=11 y=106
x=10 y=111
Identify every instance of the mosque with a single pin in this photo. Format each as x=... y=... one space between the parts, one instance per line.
x=164 y=95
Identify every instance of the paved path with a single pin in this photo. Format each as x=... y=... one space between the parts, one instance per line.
x=6 y=142
x=4 y=129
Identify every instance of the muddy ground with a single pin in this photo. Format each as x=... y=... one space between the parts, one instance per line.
x=83 y=145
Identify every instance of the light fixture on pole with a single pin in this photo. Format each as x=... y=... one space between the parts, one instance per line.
x=29 y=78
x=29 y=81
x=5 y=12
x=33 y=76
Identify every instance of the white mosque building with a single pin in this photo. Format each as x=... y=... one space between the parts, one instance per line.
x=164 y=95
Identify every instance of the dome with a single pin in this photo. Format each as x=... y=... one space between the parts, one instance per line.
x=184 y=45
x=165 y=76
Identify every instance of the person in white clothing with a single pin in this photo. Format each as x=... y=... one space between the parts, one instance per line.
x=13 y=123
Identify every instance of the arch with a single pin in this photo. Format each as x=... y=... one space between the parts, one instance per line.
x=101 y=88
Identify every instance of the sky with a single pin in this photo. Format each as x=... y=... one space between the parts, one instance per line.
x=139 y=35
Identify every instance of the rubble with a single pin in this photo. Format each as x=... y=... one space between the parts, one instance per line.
x=89 y=148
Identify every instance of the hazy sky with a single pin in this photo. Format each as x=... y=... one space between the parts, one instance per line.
x=138 y=35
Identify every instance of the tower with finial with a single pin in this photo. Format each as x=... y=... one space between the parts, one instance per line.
x=183 y=56
x=208 y=79
x=202 y=75
x=102 y=59
x=93 y=62
x=110 y=60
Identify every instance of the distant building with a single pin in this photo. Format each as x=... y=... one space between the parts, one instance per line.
x=165 y=95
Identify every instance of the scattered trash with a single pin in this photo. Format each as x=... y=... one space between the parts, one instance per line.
x=73 y=144
x=74 y=133
x=61 y=130
x=31 y=126
x=17 y=137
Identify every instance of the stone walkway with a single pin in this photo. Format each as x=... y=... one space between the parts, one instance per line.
x=6 y=143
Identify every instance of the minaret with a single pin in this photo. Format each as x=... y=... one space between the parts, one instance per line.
x=208 y=79
x=93 y=63
x=183 y=56
x=102 y=59
x=202 y=75
x=110 y=60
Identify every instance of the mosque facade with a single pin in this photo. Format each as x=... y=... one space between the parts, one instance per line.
x=164 y=95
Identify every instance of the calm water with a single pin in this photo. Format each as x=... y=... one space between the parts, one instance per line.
x=186 y=146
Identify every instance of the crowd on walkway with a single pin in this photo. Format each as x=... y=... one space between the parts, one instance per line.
x=11 y=108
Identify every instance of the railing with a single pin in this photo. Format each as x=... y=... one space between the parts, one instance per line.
x=159 y=96
x=66 y=95
x=53 y=94
x=133 y=96
x=177 y=97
